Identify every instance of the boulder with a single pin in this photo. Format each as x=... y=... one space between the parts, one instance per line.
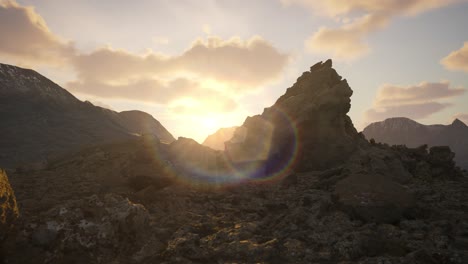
x=373 y=198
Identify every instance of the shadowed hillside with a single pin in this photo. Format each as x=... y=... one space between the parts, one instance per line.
x=40 y=120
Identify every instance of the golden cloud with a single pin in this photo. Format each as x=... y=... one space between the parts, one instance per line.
x=25 y=36
x=210 y=74
x=348 y=41
x=457 y=60
x=416 y=101
x=244 y=64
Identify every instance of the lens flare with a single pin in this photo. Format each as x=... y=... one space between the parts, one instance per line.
x=267 y=157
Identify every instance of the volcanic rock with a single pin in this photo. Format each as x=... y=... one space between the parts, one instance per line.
x=373 y=198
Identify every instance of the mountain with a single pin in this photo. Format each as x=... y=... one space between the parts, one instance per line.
x=404 y=131
x=217 y=139
x=40 y=119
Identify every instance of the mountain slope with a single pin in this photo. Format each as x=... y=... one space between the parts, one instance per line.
x=217 y=139
x=404 y=131
x=40 y=119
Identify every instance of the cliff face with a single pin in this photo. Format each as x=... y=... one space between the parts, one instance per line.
x=309 y=123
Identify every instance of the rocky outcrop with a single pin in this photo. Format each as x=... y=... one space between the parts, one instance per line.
x=8 y=208
x=217 y=139
x=404 y=131
x=78 y=231
x=309 y=123
x=435 y=163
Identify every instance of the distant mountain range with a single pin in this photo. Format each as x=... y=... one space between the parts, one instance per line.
x=40 y=119
x=401 y=130
x=217 y=139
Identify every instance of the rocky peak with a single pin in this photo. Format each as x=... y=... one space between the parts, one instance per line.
x=217 y=139
x=19 y=82
x=311 y=114
x=458 y=123
x=319 y=87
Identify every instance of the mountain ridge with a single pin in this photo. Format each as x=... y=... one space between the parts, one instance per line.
x=405 y=131
x=40 y=119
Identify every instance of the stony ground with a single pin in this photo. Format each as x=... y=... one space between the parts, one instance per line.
x=70 y=215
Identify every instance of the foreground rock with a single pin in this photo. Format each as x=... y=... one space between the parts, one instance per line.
x=8 y=209
x=79 y=230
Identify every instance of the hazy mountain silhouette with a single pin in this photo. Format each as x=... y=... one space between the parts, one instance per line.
x=404 y=131
x=217 y=139
x=40 y=119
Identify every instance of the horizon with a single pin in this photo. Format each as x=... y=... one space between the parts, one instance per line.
x=223 y=62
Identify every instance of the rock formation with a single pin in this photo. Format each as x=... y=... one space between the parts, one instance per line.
x=309 y=121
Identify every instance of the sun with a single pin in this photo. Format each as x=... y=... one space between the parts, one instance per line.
x=210 y=123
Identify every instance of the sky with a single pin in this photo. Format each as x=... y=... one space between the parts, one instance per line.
x=198 y=65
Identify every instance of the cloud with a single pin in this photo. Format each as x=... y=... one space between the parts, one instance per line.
x=457 y=60
x=416 y=101
x=25 y=36
x=358 y=18
x=413 y=111
x=348 y=41
x=390 y=94
x=145 y=90
x=243 y=64
x=181 y=95
x=209 y=75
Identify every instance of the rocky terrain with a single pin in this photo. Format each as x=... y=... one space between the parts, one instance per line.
x=40 y=120
x=324 y=195
x=404 y=131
